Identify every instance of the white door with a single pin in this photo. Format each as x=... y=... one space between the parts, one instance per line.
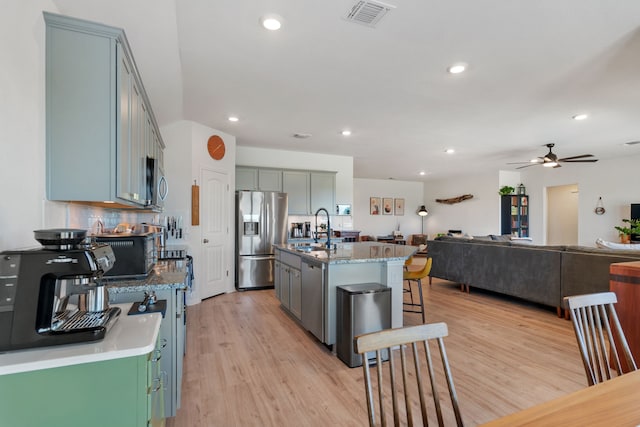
x=214 y=223
x=562 y=215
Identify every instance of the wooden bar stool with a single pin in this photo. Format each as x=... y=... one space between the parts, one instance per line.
x=416 y=276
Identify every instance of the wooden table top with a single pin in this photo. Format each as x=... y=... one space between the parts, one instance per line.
x=612 y=403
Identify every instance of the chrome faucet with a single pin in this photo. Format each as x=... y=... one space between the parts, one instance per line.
x=328 y=245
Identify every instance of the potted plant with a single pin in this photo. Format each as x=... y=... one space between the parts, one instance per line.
x=506 y=190
x=626 y=232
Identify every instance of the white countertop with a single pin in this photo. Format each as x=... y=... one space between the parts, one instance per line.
x=129 y=336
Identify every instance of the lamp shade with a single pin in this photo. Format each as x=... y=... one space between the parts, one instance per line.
x=423 y=211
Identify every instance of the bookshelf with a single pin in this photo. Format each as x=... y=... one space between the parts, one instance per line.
x=514 y=215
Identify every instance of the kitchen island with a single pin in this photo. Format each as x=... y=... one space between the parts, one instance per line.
x=306 y=277
x=112 y=382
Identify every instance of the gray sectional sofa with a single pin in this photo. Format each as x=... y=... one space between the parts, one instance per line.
x=541 y=274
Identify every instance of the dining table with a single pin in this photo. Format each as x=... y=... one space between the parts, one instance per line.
x=613 y=403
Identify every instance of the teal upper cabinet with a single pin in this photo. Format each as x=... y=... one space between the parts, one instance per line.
x=296 y=185
x=100 y=125
x=307 y=190
x=258 y=179
x=323 y=191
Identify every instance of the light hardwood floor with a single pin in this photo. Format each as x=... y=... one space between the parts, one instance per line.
x=249 y=364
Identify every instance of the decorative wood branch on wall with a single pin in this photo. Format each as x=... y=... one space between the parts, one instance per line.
x=455 y=199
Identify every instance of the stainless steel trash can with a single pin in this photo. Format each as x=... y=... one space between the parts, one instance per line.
x=360 y=308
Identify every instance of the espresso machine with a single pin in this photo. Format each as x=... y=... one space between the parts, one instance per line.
x=55 y=295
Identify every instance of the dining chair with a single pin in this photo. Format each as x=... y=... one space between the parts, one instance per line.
x=411 y=381
x=415 y=277
x=600 y=336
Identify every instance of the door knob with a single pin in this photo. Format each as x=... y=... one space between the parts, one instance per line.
x=205 y=241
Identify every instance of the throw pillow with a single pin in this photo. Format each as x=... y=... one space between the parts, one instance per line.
x=620 y=246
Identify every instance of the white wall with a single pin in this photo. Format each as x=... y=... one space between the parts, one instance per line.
x=382 y=225
x=477 y=216
x=343 y=165
x=616 y=180
x=22 y=125
x=185 y=156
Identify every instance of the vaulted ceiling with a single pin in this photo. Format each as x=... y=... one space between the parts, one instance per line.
x=532 y=66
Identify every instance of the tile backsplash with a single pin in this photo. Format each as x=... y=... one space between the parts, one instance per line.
x=87 y=217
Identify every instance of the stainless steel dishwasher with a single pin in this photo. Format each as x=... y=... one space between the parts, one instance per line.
x=313 y=304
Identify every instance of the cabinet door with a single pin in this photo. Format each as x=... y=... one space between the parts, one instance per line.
x=323 y=190
x=124 y=145
x=276 y=278
x=180 y=343
x=269 y=180
x=295 y=292
x=296 y=185
x=80 y=114
x=284 y=286
x=246 y=178
x=137 y=145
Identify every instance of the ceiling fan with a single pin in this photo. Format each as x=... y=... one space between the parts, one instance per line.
x=550 y=160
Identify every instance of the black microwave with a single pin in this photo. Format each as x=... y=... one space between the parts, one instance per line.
x=135 y=254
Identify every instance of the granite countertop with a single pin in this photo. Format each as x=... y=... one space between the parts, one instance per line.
x=129 y=336
x=166 y=274
x=357 y=252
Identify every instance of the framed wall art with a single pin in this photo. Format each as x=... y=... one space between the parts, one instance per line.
x=387 y=206
x=398 y=206
x=374 y=205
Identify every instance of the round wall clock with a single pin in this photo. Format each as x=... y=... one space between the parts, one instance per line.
x=216 y=148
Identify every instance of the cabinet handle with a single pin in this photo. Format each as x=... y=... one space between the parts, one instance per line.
x=163 y=188
x=158 y=356
x=163 y=343
x=157 y=384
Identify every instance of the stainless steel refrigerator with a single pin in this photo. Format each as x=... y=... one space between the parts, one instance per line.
x=261 y=222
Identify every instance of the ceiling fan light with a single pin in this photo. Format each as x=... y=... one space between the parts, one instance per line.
x=550 y=164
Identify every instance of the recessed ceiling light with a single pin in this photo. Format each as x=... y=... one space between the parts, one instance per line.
x=233 y=119
x=346 y=132
x=457 y=68
x=271 y=22
x=580 y=116
x=449 y=151
x=422 y=173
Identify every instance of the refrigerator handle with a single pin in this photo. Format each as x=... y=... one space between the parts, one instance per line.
x=259 y=257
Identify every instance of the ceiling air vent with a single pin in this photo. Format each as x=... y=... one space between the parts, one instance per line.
x=368 y=13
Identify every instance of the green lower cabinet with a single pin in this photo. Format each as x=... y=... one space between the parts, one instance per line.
x=110 y=393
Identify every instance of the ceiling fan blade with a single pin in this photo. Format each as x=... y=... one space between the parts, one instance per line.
x=521 y=163
x=557 y=166
x=578 y=161
x=576 y=157
x=526 y=166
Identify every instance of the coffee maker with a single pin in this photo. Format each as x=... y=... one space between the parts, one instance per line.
x=55 y=295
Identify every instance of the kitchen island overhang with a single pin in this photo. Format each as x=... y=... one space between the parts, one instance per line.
x=348 y=264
